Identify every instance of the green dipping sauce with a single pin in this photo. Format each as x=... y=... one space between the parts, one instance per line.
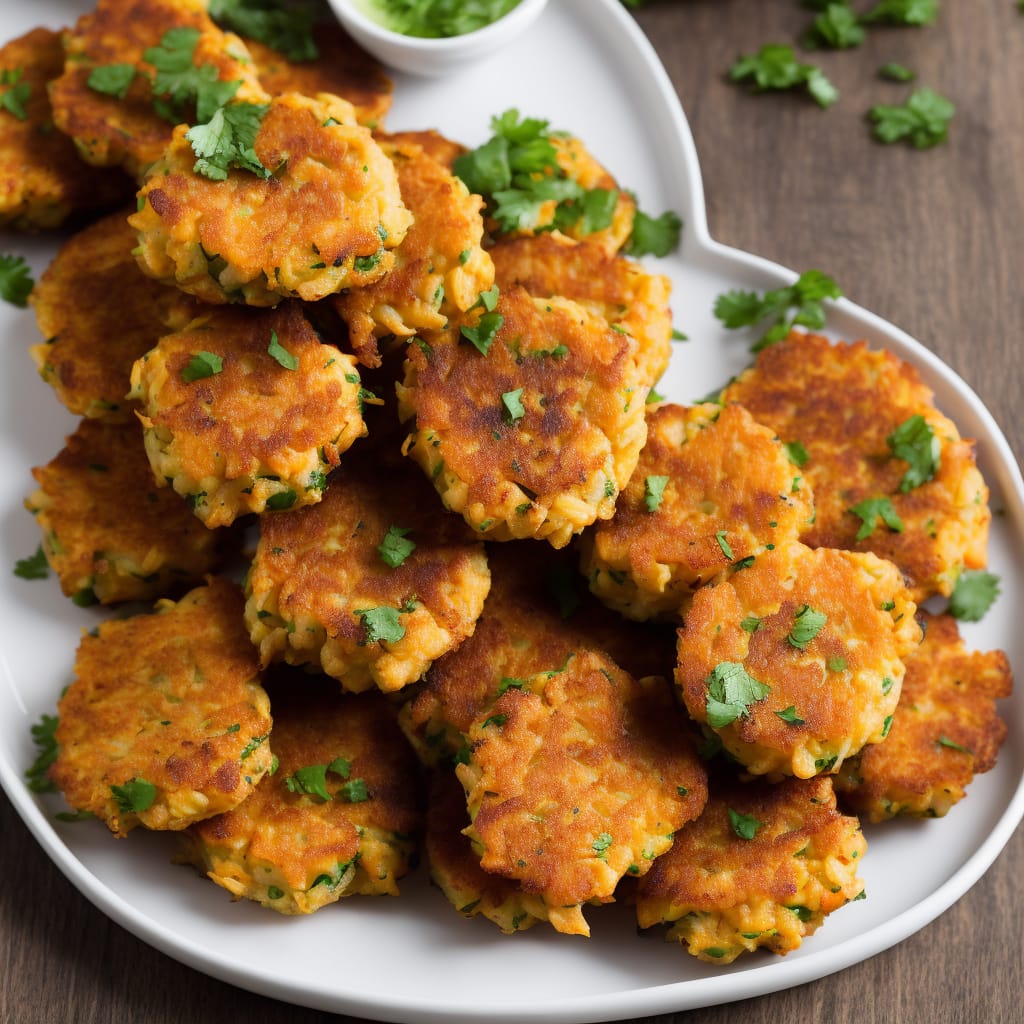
x=435 y=19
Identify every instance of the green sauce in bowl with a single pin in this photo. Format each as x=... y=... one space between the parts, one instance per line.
x=435 y=19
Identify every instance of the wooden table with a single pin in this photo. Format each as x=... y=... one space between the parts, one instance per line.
x=933 y=241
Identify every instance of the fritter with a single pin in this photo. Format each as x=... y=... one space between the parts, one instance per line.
x=341 y=67
x=338 y=817
x=712 y=489
x=440 y=268
x=613 y=287
x=371 y=585
x=442 y=149
x=844 y=404
x=576 y=777
x=327 y=217
x=538 y=613
x=536 y=437
x=246 y=411
x=42 y=181
x=760 y=868
x=796 y=662
x=946 y=730
x=91 y=341
x=106 y=535
x=455 y=867
x=166 y=722
x=132 y=131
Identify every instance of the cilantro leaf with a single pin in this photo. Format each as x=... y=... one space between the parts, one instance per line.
x=201 y=365
x=775 y=67
x=837 y=27
x=17 y=93
x=280 y=354
x=870 y=510
x=895 y=72
x=923 y=120
x=394 y=549
x=513 y=403
x=227 y=141
x=483 y=334
x=381 y=624
x=903 y=12
x=723 y=543
x=654 y=492
x=354 y=791
x=134 y=796
x=654 y=236
x=915 y=442
x=16 y=282
x=600 y=845
x=44 y=735
x=34 y=567
x=797 y=453
x=744 y=825
x=731 y=691
x=311 y=780
x=807 y=624
x=973 y=594
x=112 y=79
x=790 y=716
x=283 y=26
x=341 y=766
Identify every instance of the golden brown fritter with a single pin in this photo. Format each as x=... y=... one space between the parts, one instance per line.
x=455 y=867
x=536 y=437
x=42 y=180
x=326 y=217
x=341 y=67
x=760 y=868
x=796 y=662
x=442 y=149
x=613 y=287
x=130 y=132
x=712 y=489
x=166 y=722
x=576 y=777
x=371 y=585
x=92 y=339
x=108 y=536
x=440 y=268
x=946 y=730
x=538 y=612
x=246 y=411
x=337 y=818
x=842 y=402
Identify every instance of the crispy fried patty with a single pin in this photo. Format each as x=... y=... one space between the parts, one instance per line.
x=246 y=411
x=338 y=817
x=91 y=339
x=711 y=490
x=327 y=217
x=760 y=868
x=42 y=180
x=946 y=729
x=166 y=722
x=842 y=402
x=796 y=661
x=107 y=536
x=372 y=584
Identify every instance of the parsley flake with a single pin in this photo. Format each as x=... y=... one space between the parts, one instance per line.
x=16 y=282
x=870 y=510
x=973 y=594
x=807 y=624
x=654 y=492
x=731 y=691
x=744 y=825
x=601 y=844
x=394 y=549
x=915 y=442
x=34 y=567
x=200 y=366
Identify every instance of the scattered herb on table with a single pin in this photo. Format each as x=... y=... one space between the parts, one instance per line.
x=16 y=282
x=775 y=67
x=923 y=120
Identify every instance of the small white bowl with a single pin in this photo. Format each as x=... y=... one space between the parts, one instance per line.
x=434 y=57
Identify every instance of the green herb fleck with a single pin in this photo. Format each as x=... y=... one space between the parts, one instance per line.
x=16 y=282
x=394 y=549
x=135 y=796
x=512 y=401
x=112 y=79
x=915 y=442
x=381 y=625
x=775 y=67
x=35 y=567
x=923 y=120
x=201 y=365
x=601 y=844
x=731 y=691
x=807 y=624
x=280 y=354
x=654 y=492
x=744 y=825
x=870 y=510
x=790 y=716
x=973 y=594
x=311 y=780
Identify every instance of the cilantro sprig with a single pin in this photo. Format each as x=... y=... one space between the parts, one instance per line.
x=396 y=547
x=870 y=511
x=135 y=796
x=775 y=67
x=282 y=25
x=16 y=281
x=731 y=691
x=227 y=140
x=973 y=594
x=799 y=304
x=915 y=442
x=923 y=121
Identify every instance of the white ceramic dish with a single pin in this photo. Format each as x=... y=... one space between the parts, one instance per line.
x=439 y=967
x=433 y=57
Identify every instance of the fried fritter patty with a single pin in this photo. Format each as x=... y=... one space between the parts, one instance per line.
x=537 y=437
x=946 y=730
x=576 y=777
x=341 y=67
x=796 y=662
x=842 y=402
x=441 y=148
x=613 y=287
x=760 y=868
x=327 y=217
x=372 y=584
x=440 y=267
x=246 y=411
x=107 y=536
x=711 y=490
x=337 y=818
x=166 y=722
x=132 y=132
x=93 y=338
x=455 y=867
x=42 y=181
x=538 y=613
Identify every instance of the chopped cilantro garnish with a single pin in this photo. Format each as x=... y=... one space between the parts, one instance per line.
x=311 y=780
x=341 y=766
x=915 y=442
x=836 y=27
x=731 y=691
x=201 y=365
x=381 y=624
x=895 y=72
x=112 y=79
x=280 y=354
x=281 y=500
x=353 y=792
x=923 y=120
x=654 y=236
x=135 y=796
x=601 y=844
x=44 y=735
x=751 y=624
x=744 y=825
x=775 y=67
x=973 y=594
x=436 y=19
x=227 y=141
x=790 y=716
x=496 y=720
x=945 y=741
x=16 y=282
x=903 y=12
x=513 y=403
x=179 y=83
x=870 y=510
x=483 y=334
x=807 y=624
x=797 y=453
x=34 y=567
x=654 y=492
x=284 y=26
x=394 y=549
x=836 y=664
x=17 y=93
x=723 y=543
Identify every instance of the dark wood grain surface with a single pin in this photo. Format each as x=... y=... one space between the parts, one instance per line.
x=933 y=241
